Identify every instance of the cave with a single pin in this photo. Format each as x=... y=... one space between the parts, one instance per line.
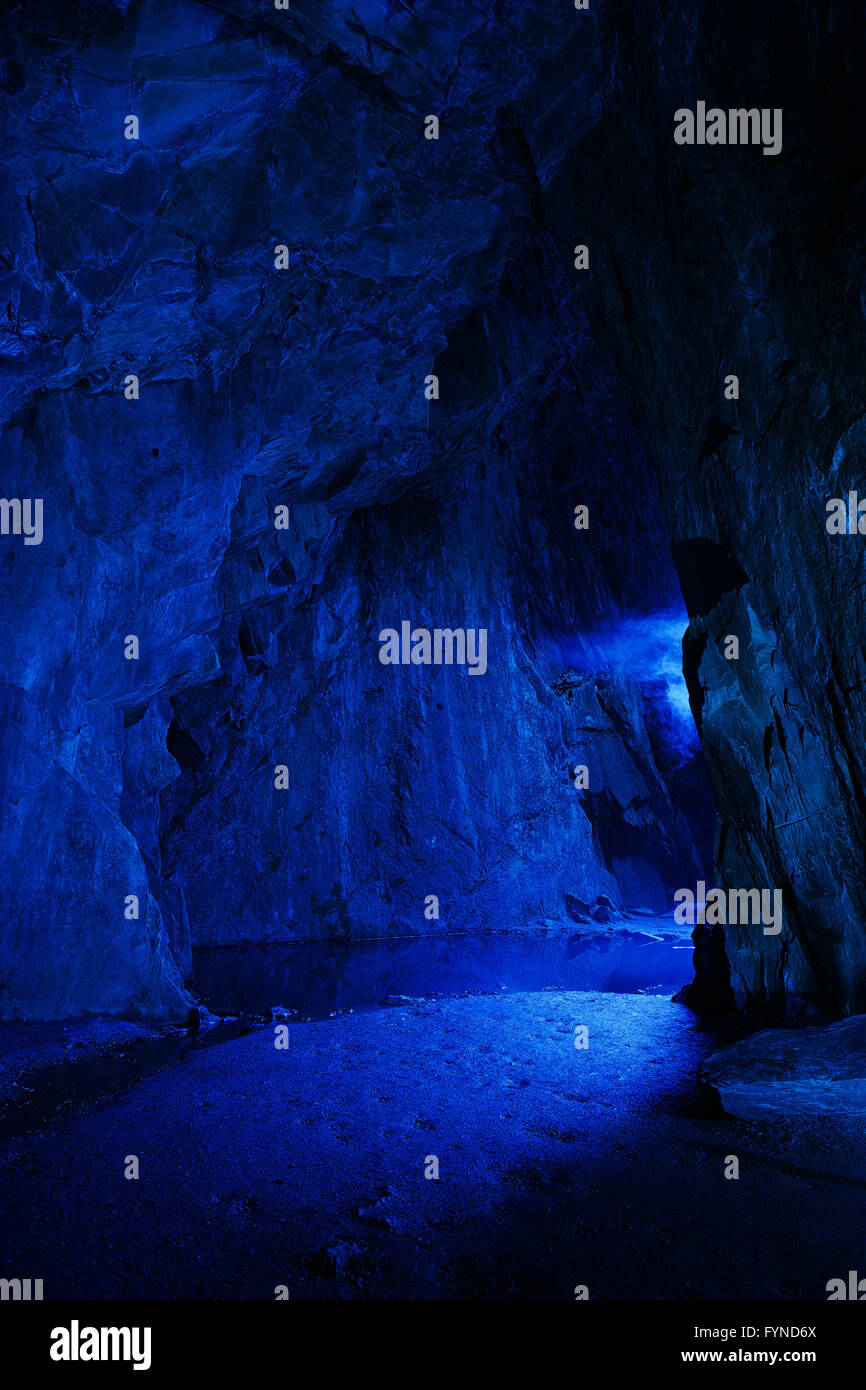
x=416 y=573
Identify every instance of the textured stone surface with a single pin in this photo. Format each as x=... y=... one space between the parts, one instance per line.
x=305 y=387
x=557 y=1167
x=752 y=265
x=790 y=1072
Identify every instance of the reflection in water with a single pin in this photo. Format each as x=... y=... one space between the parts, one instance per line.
x=317 y=978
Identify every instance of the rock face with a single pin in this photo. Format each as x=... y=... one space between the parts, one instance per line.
x=303 y=389
x=786 y=1072
x=281 y=491
x=753 y=265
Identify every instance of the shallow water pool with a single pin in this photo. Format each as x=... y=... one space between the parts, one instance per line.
x=319 y=978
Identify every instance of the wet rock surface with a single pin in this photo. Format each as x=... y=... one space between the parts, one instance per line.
x=786 y=1072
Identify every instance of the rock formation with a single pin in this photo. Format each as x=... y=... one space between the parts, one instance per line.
x=308 y=387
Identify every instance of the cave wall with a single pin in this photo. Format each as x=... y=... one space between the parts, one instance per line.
x=258 y=388
x=305 y=387
x=750 y=264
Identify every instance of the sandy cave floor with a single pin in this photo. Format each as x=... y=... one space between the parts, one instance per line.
x=558 y=1167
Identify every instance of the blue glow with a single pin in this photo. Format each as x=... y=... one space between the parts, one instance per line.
x=646 y=650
